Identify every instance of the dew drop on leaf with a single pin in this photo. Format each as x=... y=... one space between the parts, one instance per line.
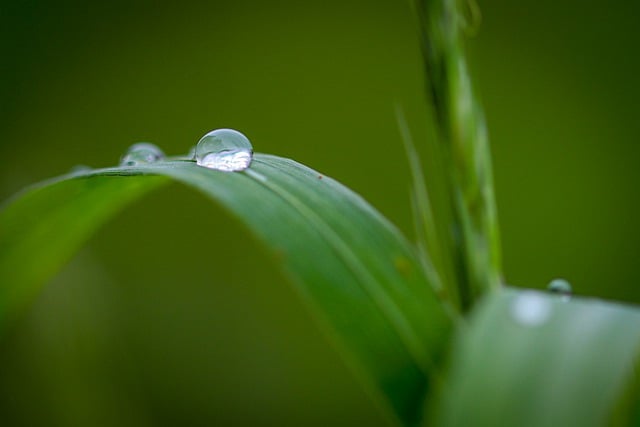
x=141 y=153
x=530 y=309
x=560 y=286
x=225 y=150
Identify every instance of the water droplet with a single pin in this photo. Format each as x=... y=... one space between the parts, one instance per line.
x=141 y=153
x=560 y=286
x=530 y=309
x=225 y=150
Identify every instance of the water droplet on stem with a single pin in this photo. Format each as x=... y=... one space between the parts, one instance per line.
x=225 y=150
x=141 y=153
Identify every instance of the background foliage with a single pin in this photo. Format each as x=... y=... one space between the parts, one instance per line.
x=152 y=330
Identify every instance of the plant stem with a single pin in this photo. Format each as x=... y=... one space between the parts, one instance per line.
x=475 y=245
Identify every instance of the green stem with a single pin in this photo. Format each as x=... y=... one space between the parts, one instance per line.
x=475 y=245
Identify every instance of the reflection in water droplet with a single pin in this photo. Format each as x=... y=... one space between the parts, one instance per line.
x=561 y=287
x=224 y=150
x=530 y=309
x=141 y=153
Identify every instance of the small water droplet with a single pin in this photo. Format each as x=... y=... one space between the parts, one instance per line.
x=141 y=153
x=560 y=286
x=225 y=150
x=530 y=309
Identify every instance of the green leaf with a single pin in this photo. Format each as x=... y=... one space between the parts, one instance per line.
x=358 y=273
x=43 y=227
x=535 y=359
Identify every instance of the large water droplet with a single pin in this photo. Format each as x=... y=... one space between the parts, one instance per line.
x=225 y=150
x=530 y=309
x=141 y=153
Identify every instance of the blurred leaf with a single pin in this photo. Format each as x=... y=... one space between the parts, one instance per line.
x=535 y=359
x=358 y=272
x=473 y=243
x=430 y=247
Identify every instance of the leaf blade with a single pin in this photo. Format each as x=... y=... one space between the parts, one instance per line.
x=42 y=250
x=365 y=282
x=531 y=359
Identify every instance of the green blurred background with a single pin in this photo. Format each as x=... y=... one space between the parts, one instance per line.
x=173 y=314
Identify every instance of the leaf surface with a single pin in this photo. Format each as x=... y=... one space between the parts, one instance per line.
x=534 y=359
x=357 y=272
